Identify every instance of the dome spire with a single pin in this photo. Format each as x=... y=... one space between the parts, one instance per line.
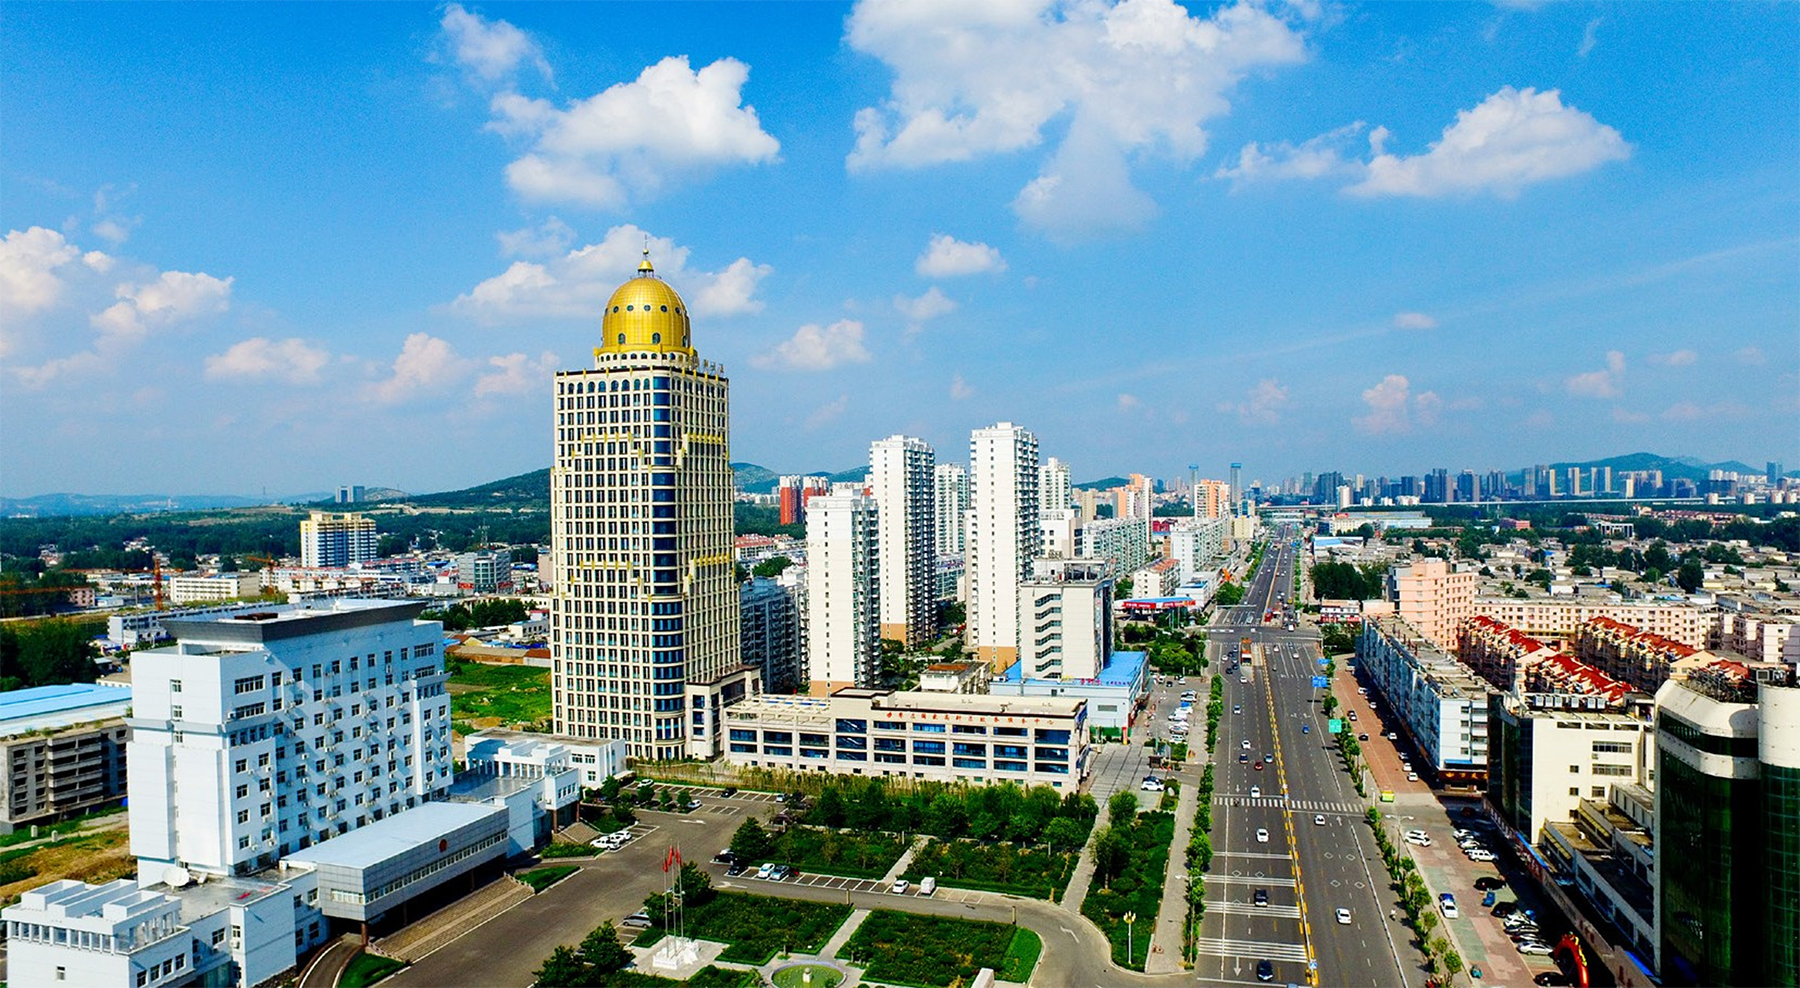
x=644 y=268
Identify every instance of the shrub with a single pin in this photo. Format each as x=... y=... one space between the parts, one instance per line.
x=1137 y=888
x=929 y=950
x=542 y=878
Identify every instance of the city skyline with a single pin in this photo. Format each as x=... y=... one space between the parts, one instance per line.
x=1507 y=236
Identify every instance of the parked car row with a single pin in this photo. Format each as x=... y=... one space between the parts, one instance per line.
x=612 y=841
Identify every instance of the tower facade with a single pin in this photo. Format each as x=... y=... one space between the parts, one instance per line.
x=1003 y=535
x=1053 y=486
x=843 y=585
x=903 y=480
x=952 y=509
x=644 y=621
x=331 y=539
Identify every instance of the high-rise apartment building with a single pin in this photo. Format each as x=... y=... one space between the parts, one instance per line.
x=1434 y=597
x=1053 y=486
x=1212 y=499
x=792 y=493
x=952 y=492
x=644 y=620
x=333 y=539
x=902 y=480
x=772 y=640
x=843 y=590
x=1728 y=829
x=1003 y=535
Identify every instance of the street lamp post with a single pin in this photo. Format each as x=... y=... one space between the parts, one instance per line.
x=1130 y=918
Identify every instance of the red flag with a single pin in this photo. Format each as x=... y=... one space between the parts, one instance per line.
x=669 y=858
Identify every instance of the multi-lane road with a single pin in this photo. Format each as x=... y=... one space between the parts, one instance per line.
x=1291 y=828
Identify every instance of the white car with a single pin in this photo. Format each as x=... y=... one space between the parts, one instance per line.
x=1483 y=856
x=1262 y=836
x=1319 y=820
x=900 y=887
x=1540 y=949
x=1245 y=744
x=1343 y=917
x=1255 y=792
x=1447 y=903
x=765 y=869
x=1151 y=785
x=927 y=885
x=1415 y=832
x=1418 y=840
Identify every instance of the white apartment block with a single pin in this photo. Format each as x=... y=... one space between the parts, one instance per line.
x=1061 y=528
x=1157 y=578
x=1124 y=542
x=1434 y=596
x=1543 y=617
x=1067 y=609
x=332 y=539
x=902 y=479
x=1003 y=536
x=1769 y=637
x=952 y=491
x=644 y=619
x=843 y=585
x=195 y=588
x=951 y=737
x=1053 y=486
x=1198 y=544
x=261 y=733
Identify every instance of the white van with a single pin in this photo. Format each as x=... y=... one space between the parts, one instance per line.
x=927 y=885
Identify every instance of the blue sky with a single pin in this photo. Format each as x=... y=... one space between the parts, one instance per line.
x=282 y=247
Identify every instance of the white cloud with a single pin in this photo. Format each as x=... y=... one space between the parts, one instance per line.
x=516 y=374
x=1130 y=77
x=1600 y=383
x=817 y=348
x=1393 y=407
x=1262 y=405
x=926 y=307
x=28 y=263
x=1687 y=411
x=491 y=50
x=1513 y=138
x=1414 y=320
x=577 y=284
x=1128 y=402
x=1751 y=356
x=97 y=262
x=1320 y=157
x=425 y=362
x=825 y=413
x=1587 y=37
x=548 y=238
x=948 y=257
x=112 y=230
x=260 y=358
x=1679 y=358
x=960 y=389
x=1625 y=416
x=175 y=296
x=623 y=143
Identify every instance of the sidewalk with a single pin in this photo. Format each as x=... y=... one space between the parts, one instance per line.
x=905 y=861
x=1165 y=940
x=1084 y=868
x=843 y=934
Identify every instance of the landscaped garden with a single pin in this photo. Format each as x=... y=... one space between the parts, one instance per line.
x=856 y=855
x=755 y=927
x=987 y=813
x=936 y=951
x=602 y=960
x=365 y=969
x=568 y=851
x=1131 y=856
x=1009 y=868
x=542 y=878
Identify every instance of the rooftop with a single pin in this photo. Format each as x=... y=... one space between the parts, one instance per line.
x=293 y=621
x=1122 y=669
x=56 y=706
x=376 y=842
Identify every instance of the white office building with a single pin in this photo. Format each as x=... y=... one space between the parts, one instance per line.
x=1067 y=609
x=902 y=478
x=843 y=584
x=1003 y=536
x=333 y=539
x=952 y=493
x=644 y=619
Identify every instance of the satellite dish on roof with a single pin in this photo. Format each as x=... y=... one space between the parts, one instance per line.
x=175 y=876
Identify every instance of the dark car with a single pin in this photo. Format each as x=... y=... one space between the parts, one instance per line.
x=729 y=791
x=1551 y=979
x=1265 y=971
x=1505 y=909
x=1486 y=882
x=1260 y=897
x=737 y=868
x=1243 y=756
x=1259 y=766
x=1362 y=737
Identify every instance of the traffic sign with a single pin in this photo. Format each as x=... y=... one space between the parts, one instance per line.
x=1323 y=661
x=1320 y=682
x=1336 y=725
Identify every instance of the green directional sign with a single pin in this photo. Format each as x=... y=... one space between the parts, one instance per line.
x=1337 y=725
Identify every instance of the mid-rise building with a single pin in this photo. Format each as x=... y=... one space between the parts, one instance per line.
x=1433 y=596
x=1157 y=578
x=769 y=615
x=484 y=571
x=902 y=478
x=843 y=587
x=1549 y=751
x=1497 y=653
x=952 y=489
x=1439 y=703
x=1067 y=609
x=195 y=588
x=334 y=539
x=1642 y=658
x=1552 y=618
x=1728 y=827
x=1767 y=637
x=1061 y=527
x=1123 y=542
x=62 y=751
x=950 y=737
x=1199 y=544
x=1053 y=486
x=644 y=618
x=1003 y=536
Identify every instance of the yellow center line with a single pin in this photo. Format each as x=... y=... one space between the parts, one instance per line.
x=1287 y=816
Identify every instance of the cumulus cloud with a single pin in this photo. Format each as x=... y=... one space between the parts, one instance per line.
x=1321 y=157
x=1604 y=383
x=516 y=374
x=921 y=310
x=175 y=296
x=825 y=413
x=1130 y=77
x=577 y=284
x=947 y=257
x=623 y=143
x=960 y=389
x=817 y=348
x=491 y=50
x=1262 y=405
x=28 y=262
x=548 y=238
x=1679 y=358
x=1512 y=139
x=425 y=362
x=259 y=358
x=1414 y=320
x=1394 y=409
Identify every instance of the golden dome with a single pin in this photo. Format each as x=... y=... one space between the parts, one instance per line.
x=645 y=315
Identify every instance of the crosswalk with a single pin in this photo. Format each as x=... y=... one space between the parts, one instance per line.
x=1248 y=909
x=1297 y=805
x=1257 y=949
x=1259 y=882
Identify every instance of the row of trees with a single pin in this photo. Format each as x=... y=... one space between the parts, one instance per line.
x=47 y=653
x=1199 y=856
x=1415 y=900
x=37 y=591
x=1000 y=812
x=481 y=614
x=1348 y=581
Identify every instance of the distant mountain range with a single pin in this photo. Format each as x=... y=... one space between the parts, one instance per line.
x=533 y=489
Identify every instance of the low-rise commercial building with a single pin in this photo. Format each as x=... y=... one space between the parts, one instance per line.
x=1115 y=693
x=1441 y=705
x=1549 y=751
x=945 y=736
x=594 y=758
x=364 y=874
x=193 y=588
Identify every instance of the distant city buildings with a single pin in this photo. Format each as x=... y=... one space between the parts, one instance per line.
x=484 y=571
x=330 y=539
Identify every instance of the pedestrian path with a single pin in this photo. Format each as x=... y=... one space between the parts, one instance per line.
x=1084 y=867
x=459 y=917
x=843 y=934
x=1165 y=939
x=905 y=862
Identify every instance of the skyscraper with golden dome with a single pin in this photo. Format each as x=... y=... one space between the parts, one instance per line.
x=644 y=615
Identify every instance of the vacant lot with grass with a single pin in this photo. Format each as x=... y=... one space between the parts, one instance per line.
x=98 y=856
x=497 y=695
x=939 y=950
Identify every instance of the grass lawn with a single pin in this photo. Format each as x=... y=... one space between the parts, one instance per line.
x=568 y=851
x=1027 y=871
x=366 y=969
x=938 y=950
x=542 y=878
x=68 y=826
x=758 y=927
x=856 y=855
x=498 y=695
